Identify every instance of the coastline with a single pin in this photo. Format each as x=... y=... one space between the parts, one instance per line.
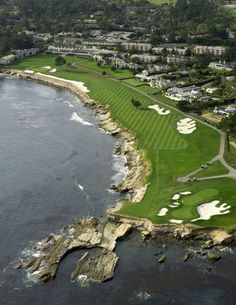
x=134 y=184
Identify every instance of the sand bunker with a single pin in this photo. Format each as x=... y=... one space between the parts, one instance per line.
x=76 y=118
x=29 y=71
x=178 y=221
x=159 y=110
x=162 y=212
x=176 y=197
x=186 y=126
x=209 y=209
x=47 y=67
x=53 y=71
x=185 y=193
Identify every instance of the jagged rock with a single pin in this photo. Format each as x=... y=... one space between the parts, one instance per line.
x=187 y=256
x=97 y=268
x=87 y=233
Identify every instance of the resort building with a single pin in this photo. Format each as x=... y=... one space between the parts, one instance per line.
x=217 y=51
x=219 y=65
x=189 y=94
x=136 y=46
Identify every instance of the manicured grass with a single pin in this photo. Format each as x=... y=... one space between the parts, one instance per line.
x=214 y=169
x=158 y=2
x=133 y=82
x=171 y=154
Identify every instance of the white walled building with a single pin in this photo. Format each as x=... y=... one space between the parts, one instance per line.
x=214 y=50
x=136 y=46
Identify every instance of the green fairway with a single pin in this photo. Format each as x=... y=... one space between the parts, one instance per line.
x=171 y=154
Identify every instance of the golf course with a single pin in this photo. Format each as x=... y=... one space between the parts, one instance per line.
x=172 y=153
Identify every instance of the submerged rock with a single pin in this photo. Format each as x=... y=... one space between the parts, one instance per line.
x=213 y=256
x=162 y=258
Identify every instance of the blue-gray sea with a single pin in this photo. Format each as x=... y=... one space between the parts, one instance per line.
x=57 y=166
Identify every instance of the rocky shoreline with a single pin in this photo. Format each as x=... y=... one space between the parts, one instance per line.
x=90 y=233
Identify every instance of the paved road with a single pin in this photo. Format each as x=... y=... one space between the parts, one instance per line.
x=220 y=156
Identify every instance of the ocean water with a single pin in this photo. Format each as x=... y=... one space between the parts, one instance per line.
x=57 y=166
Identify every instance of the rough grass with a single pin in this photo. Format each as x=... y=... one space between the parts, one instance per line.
x=170 y=153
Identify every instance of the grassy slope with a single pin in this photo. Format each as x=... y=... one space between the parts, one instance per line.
x=170 y=153
x=158 y=2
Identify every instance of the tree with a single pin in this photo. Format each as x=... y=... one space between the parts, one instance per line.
x=60 y=61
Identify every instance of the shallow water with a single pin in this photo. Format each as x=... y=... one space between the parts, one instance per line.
x=54 y=170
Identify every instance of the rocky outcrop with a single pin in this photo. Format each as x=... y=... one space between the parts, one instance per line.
x=87 y=233
x=98 y=267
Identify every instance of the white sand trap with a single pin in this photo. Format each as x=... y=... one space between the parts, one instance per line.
x=159 y=110
x=29 y=71
x=186 y=120
x=186 y=126
x=47 y=67
x=172 y=206
x=178 y=221
x=176 y=204
x=76 y=118
x=53 y=71
x=185 y=193
x=209 y=209
x=176 y=197
x=162 y=212
x=79 y=85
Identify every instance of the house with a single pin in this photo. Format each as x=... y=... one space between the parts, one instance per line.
x=162 y=83
x=214 y=50
x=136 y=46
x=43 y=36
x=189 y=94
x=231 y=33
x=219 y=65
x=170 y=49
x=211 y=90
x=7 y=60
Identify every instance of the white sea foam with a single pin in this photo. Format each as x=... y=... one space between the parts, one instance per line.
x=76 y=118
x=120 y=168
x=69 y=104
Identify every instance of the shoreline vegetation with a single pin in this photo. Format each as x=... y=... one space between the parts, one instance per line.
x=90 y=233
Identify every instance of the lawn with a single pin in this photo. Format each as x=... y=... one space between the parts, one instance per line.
x=171 y=154
x=158 y=2
x=213 y=169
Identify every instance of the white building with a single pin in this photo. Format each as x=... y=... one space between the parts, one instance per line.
x=136 y=46
x=162 y=83
x=189 y=94
x=217 y=51
x=219 y=65
x=144 y=57
x=26 y=52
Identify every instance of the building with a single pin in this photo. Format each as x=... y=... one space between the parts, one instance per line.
x=7 y=60
x=144 y=57
x=170 y=49
x=26 y=52
x=216 y=50
x=189 y=94
x=136 y=46
x=219 y=65
x=162 y=83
